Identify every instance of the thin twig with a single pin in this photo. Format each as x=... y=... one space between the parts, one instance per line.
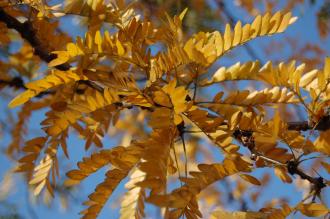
x=185 y=156
x=177 y=163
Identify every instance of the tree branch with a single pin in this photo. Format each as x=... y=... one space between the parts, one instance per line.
x=28 y=33
x=247 y=140
x=322 y=125
x=16 y=82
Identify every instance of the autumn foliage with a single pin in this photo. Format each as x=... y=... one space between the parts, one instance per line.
x=145 y=79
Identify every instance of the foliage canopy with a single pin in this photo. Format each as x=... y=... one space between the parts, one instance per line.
x=144 y=79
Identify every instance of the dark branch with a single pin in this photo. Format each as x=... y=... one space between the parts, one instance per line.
x=16 y=82
x=301 y=126
x=247 y=140
x=322 y=125
x=92 y=84
x=27 y=32
x=317 y=182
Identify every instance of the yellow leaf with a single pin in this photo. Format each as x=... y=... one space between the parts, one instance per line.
x=73 y=50
x=313 y=209
x=255 y=27
x=250 y=179
x=183 y=13
x=276 y=124
x=234 y=120
x=246 y=33
x=169 y=88
x=265 y=24
x=177 y=119
x=275 y=22
x=322 y=143
x=238 y=215
x=227 y=38
x=76 y=175
x=293 y=19
x=326 y=166
x=62 y=57
x=120 y=48
x=237 y=33
x=162 y=99
x=22 y=98
x=321 y=81
x=281 y=173
x=285 y=22
x=98 y=41
x=307 y=78
x=218 y=43
x=39 y=188
x=178 y=98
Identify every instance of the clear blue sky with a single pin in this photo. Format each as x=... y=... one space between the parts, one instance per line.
x=304 y=29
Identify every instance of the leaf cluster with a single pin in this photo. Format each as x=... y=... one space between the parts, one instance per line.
x=95 y=83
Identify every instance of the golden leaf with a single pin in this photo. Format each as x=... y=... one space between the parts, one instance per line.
x=58 y=122
x=132 y=205
x=281 y=173
x=322 y=143
x=62 y=57
x=36 y=87
x=313 y=209
x=250 y=179
x=238 y=215
x=22 y=98
x=204 y=48
x=326 y=166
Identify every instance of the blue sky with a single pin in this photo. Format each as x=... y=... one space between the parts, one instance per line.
x=304 y=29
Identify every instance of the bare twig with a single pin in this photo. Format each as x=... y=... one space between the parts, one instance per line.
x=322 y=125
